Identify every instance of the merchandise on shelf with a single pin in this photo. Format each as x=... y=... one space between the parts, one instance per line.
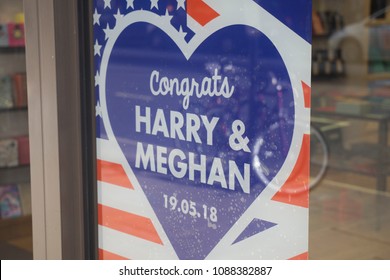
x=23 y=150
x=327 y=64
x=353 y=107
x=326 y=22
x=20 y=89
x=15 y=199
x=12 y=35
x=14 y=152
x=379 y=49
x=19 y=18
x=9 y=153
x=6 y=96
x=25 y=198
x=380 y=96
x=10 y=203
x=13 y=91
x=4 y=40
x=318 y=27
x=16 y=35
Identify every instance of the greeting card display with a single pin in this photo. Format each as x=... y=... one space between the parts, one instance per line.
x=8 y=153
x=16 y=35
x=10 y=204
x=6 y=95
x=4 y=41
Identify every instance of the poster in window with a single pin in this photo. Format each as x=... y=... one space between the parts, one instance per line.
x=202 y=120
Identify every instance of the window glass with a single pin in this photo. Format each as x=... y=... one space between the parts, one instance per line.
x=202 y=128
x=15 y=190
x=349 y=213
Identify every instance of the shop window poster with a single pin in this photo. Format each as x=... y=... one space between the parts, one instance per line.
x=203 y=128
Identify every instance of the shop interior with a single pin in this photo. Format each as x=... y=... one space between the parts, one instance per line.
x=15 y=191
x=349 y=214
x=350 y=154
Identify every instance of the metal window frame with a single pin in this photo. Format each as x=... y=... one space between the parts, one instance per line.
x=61 y=128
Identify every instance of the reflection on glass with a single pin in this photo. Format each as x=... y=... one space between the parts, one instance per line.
x=351 y=110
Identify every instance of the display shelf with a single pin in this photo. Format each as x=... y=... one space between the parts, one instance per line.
x=377 y=22
x=370 y=116
x=14 y=123
x=13 y=221
x=326 y=78
x=378 y=76
x=12 y=49
x=21 y=226
x=15 y=167
x=321 y=37
x=15 y=175
x=12 y=109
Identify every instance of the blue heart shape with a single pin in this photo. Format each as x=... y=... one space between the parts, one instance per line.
x=262 y=100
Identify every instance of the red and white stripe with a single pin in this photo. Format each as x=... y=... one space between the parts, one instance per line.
x=126 y=226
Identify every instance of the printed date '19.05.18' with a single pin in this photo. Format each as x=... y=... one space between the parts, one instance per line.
x=188 y=207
